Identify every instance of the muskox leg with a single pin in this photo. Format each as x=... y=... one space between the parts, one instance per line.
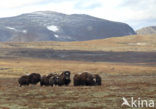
x=41 y=85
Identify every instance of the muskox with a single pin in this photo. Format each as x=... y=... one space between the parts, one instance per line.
x=77 y=80
x=49 y=80
x=86 y=79
x=23 y=80
x=44 y=81
x=64 y=78
x=34 y=78
x=54 y=80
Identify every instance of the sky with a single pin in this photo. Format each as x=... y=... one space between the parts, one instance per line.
x=136 y=13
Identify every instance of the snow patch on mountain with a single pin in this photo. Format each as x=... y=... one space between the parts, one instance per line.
x=53 y=28
x=57 y=36
x=11 y=28
x=24 y=31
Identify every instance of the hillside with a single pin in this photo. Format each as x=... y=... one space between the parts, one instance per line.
x=129 y=49
x=142 y=43
x=147 y=30
x=53 y=26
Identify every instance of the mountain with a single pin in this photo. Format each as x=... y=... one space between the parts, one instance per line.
x=147 y=30
x=53 y=26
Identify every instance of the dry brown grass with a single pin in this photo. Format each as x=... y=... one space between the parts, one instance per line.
x=17 y=67
x=107 y=96
x=139 y=43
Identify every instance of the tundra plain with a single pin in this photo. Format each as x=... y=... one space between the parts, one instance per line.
x=127 y=66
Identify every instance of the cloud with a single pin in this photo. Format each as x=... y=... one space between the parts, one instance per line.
x=134 y=12
x=85 y=5
x=16 y=3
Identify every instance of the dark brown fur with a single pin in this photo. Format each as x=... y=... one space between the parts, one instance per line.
x=44 y=81
x=64 y=78
x=85 y=79
x=49 y=80
x=34 y=78
x=23 y=80
x=54 y=79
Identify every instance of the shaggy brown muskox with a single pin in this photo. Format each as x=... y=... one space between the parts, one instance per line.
x=84 y=79
x=64 y=78
x=23 y=80
x=44 y=81
x=48 y=80
x=77 y=80
x=97 y=79
x=54 y=80
x=34 y=78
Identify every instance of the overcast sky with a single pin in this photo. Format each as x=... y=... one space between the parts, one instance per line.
x=137 y=13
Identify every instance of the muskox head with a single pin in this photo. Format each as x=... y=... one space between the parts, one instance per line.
x=66 y=75
x=94 y=80
x=97 y=79
x=64 y=78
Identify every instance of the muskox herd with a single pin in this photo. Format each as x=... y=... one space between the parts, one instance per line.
x=80 y=79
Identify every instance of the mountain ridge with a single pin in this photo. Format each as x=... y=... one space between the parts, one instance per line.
x=147 y=30
x=53 y=26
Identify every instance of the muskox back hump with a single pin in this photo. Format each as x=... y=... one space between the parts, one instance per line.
x=34 y=78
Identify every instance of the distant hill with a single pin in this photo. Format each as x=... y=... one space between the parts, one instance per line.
x=147 y=30
x=53 y=26
x=128 y=49
x=139 y=43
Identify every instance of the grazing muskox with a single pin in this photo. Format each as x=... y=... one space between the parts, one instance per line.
x=34 y=78
x=64 y=78
x=23 y=80
x=86 y=79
